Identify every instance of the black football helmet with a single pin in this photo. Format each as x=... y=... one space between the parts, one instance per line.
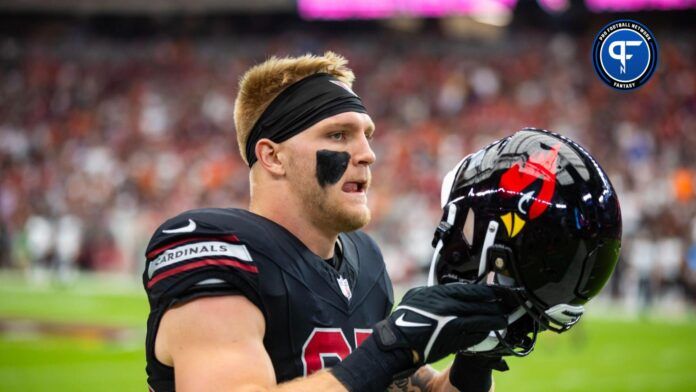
x=536 y=212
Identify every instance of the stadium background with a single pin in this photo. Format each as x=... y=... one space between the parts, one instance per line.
x=116 y=115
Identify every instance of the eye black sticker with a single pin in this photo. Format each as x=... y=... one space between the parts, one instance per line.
x=330 y=166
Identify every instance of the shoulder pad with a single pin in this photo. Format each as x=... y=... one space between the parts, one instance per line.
x=196 y=240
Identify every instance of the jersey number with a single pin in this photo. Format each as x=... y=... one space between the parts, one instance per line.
x=328 y=346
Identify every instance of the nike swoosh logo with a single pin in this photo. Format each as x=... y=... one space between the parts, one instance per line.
x=186 y=229
x=343 y=86
x=403 y=323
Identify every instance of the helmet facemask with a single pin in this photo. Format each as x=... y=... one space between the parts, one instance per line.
x=457 y=262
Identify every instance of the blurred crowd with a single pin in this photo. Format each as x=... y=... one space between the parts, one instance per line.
x=103 y=138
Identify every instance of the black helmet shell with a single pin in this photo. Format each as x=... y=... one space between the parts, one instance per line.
x=558 y=218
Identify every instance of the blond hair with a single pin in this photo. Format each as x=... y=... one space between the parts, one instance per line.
x=261 y=84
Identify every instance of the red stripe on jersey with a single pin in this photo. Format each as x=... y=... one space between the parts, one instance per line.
x=229 y=238
x=203 y=263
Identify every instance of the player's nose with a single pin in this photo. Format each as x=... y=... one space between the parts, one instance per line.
x=363 y=153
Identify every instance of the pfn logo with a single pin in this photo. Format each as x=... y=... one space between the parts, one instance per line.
x=625 y=54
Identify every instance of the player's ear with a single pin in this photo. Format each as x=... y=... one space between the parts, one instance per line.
x=267 y=156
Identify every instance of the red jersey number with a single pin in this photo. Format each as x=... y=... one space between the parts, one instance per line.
x=325 y=343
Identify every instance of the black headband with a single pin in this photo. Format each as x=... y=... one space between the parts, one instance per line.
x=298 y=107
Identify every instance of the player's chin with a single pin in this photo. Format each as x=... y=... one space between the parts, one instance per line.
x=353 y=217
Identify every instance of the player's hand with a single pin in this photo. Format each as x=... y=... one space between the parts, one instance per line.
x=440 y=320
x=473 y=373
x=430 y=323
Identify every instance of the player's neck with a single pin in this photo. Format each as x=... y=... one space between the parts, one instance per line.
x=317 y=240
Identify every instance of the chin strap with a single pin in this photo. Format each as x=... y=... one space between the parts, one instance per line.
x=488 y=241
x=526 y=348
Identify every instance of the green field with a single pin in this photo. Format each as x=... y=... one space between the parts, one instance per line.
x=600 y=354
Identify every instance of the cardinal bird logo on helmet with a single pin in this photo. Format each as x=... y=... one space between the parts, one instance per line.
x=521 y=176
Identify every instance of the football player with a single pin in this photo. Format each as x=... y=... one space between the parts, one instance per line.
x=271 y=297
